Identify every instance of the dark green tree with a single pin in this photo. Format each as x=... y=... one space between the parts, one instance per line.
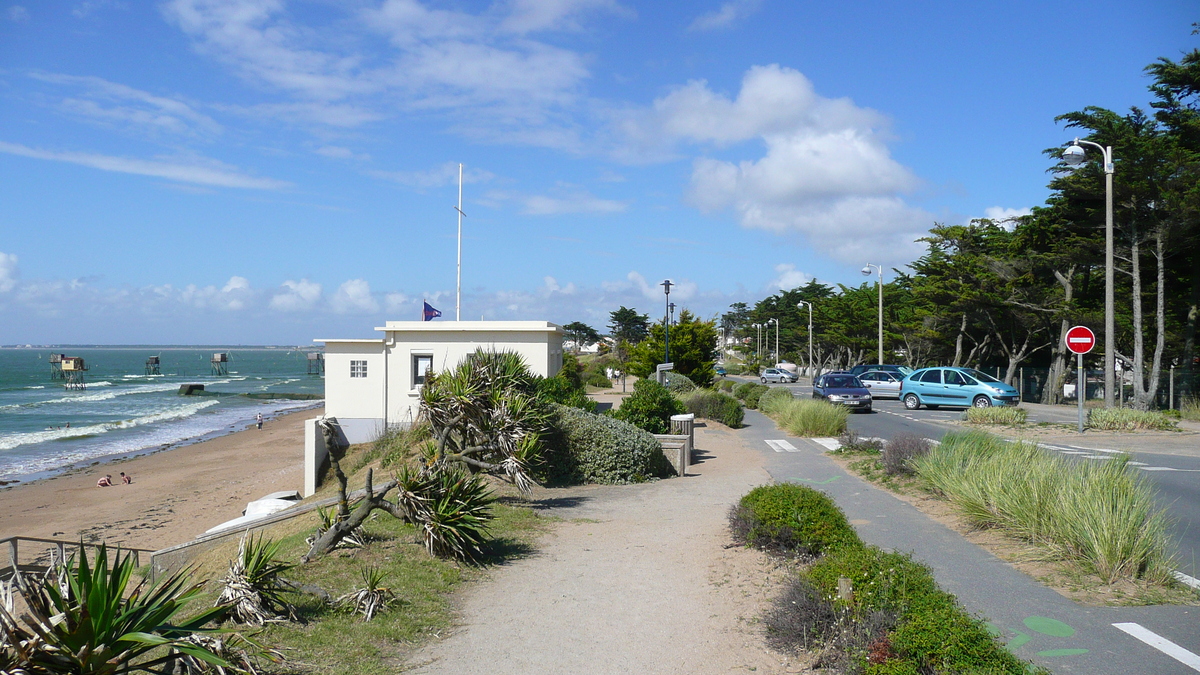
x=627 y=325
x=693 y=349
x=581 y=334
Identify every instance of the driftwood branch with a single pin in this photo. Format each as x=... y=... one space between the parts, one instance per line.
x=371 y=500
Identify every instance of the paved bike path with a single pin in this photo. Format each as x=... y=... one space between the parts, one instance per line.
x=1039 y=624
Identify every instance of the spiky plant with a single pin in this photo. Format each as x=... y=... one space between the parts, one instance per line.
x=243 y=653
x=450 y=506
x=82 y=618
x=486 y=414
x=372 y=598
x=252 y=589
x=357 y=538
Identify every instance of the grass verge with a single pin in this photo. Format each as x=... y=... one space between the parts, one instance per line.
x=1001 y=416
x=809 y=417
x=1189 y=409
x=1128 y=419
x=862 y=609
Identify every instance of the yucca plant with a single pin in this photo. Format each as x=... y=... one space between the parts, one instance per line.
x=356 y=538
x=236 y=649
x=372 y=598
x=252 y=589
x=449 y=505
x=82 y=617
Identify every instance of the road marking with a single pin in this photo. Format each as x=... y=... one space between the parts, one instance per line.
x=782 y=446
x=1161 y=644
x=1185 y=579
x=828 y=443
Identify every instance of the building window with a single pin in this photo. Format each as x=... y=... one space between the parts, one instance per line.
x=358 y=369
x=421 y=365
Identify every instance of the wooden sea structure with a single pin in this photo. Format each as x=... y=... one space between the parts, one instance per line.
x=316 y=363
x=56 y=371
x=220 y=363
x=74 y=368
x=152 y=366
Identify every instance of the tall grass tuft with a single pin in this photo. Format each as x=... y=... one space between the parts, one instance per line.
x=1128 y=419
x=994 y=415
x=1189 y=409
x=809 y=417
x=1096 y=513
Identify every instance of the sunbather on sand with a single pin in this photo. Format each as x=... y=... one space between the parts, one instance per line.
x=105 y=481
x=126 y=479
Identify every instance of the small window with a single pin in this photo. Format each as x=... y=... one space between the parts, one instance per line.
x=358 y=368
x=933 y=376
x=953 y=377
x=422 y=364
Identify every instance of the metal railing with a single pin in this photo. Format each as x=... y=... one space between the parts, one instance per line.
x=47 y=551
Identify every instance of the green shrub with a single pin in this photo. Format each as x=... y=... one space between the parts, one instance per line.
x=750 y=392
x=948 y=640
x=1097 y=513
x=995 y=415
x=790 y=518
x=775 y=398
x=679 y=383
x=560 y=390
x=599 y=380
x=901 y=451
x=881 y=581
x=724 y=385
x=585 y=447
x=810 y=417
x=1128 y=419
x=571 y=371
x=649 y=407
x=715 y=406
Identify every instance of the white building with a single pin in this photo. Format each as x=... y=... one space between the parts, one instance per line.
x=374 y=384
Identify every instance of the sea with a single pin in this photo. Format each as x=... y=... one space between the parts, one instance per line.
x=123 y=411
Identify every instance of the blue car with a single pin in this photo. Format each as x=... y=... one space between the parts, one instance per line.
x=959 y=387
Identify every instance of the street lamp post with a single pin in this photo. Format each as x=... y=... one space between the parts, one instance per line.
x=671 y=310
x=811 y=372
x=866 y=273
x=757 y=343
x=776 y=338
x=1074 y=155
x=666 y=284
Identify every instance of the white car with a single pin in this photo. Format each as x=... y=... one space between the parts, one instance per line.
x=778 y=375
x=882 y=383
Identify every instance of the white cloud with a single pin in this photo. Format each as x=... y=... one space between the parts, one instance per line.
x=788 y=278
x=724 y=17
x=565 y=198
x=234 y=296
x=9 y=273
x=18 y=14
x=338 y=152
x=438 y=176
x=396 y=302
x=201 y=171
x=300 y=296
x=354 y=297
x=999 y=213
x=825 y=174
x=113 y=103
x=538 y=15
x=551 y=285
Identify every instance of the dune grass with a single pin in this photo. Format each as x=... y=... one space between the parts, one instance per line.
x=994 y=415
x=1189 y=409
x=1096 y=513
x=808 y=417
x=1128 y=419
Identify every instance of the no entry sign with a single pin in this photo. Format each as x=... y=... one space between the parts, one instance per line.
x=1081 y=339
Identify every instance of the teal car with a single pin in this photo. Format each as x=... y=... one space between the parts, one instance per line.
x=956 y=387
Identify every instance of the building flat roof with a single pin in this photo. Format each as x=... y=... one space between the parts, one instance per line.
x=351 y=341
x=471 y=327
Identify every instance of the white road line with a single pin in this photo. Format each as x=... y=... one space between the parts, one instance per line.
x=1157 y=468
x=1161 y=644
x=782 y=446
x=828 y=443
x=1185 y=579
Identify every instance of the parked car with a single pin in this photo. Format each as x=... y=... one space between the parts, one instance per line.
x=778 y=375
x=960 y=387
x=719 y=370
x=844 y=389
x=901 y=371
x=882 y=383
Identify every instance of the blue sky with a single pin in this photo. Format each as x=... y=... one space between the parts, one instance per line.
x=272 y=171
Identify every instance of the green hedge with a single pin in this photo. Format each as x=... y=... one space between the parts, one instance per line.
x=562 y=390
x=791 y=518
x=583 y=447
x=649 y=407
x=715 y=406
x=750 y=392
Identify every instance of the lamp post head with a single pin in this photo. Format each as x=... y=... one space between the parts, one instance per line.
x=866 y=271
x=1074 y=154
x=666 y=284
x=671 y=305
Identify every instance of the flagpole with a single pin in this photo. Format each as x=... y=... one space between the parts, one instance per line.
x=458 y=291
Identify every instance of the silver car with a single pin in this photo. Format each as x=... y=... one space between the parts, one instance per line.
x=882 y=383
x=778 y=375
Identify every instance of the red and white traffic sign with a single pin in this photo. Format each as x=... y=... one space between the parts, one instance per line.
x=1081 y=339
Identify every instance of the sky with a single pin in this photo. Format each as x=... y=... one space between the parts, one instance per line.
x=276 y=171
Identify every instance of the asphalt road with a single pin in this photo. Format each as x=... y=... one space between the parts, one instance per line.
x=1037 y=623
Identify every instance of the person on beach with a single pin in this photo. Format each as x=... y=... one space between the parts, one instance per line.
x=125 y=478
x=105 y=481
x=259 y=420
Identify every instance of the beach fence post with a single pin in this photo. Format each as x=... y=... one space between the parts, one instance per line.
x=12 y=553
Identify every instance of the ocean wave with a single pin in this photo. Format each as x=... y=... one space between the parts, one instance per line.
x=10 y=441
x=104 y=395
x=36 y=386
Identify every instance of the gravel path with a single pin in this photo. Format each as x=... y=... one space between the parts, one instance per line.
x=635 y=579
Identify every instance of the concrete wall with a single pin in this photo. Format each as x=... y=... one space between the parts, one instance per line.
x=355 y=397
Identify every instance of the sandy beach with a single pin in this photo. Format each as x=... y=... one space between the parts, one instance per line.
x=176 y=494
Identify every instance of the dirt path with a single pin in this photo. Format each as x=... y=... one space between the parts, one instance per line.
x=635 y=579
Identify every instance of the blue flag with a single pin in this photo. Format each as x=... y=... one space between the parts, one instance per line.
x=430 y=312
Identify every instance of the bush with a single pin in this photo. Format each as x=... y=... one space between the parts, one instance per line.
x=851 y=441
x=715 y=406
x=899 y=453
x=560 y=390
x=1128 y=419
x=800 y=619
x=649 y=407
x=599 y=380
x=810 y=417
x=750 y=393
x=790 y=518
x=585 y=447
x=679 y=383
x=724 y=385
x=1096 y=513
x=775 y=398
x=1009 y=416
